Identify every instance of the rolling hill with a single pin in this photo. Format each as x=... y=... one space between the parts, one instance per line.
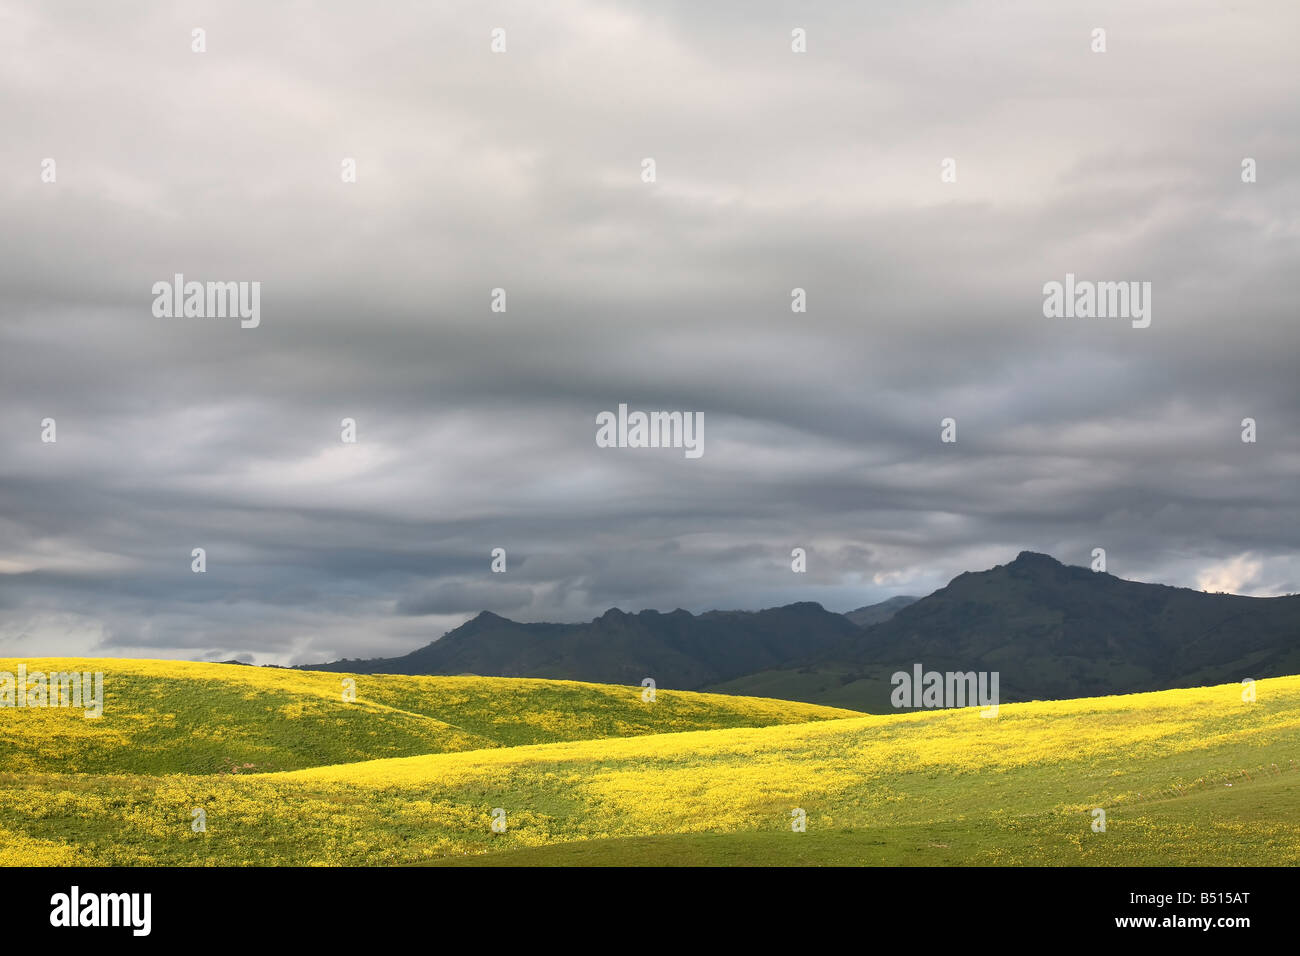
x=1199 y=776
x=169 y=717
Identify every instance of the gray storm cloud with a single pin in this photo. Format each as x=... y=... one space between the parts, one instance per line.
x=521 y=171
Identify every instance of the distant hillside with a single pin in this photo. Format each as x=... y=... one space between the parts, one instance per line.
x=678 y=649
x=1053 y=632
x=875 y=613
x=1050 y=631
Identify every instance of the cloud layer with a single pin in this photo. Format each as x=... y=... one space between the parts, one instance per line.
x=522 y=171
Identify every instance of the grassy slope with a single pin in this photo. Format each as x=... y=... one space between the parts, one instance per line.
x=1204 y=826
x=938 y=787
x=179 y=717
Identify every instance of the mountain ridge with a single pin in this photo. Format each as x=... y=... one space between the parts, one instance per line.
x=1051 y=630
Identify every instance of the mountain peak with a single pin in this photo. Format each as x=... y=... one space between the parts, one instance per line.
x=1034 y=558
x=484 y=620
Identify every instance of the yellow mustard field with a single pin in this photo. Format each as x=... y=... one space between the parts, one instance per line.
x=1184 y=776
x=178 y=716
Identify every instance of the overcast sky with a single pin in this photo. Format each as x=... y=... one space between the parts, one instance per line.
x=522 y=170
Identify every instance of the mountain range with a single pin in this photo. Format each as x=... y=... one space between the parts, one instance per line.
x=1050 y=630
